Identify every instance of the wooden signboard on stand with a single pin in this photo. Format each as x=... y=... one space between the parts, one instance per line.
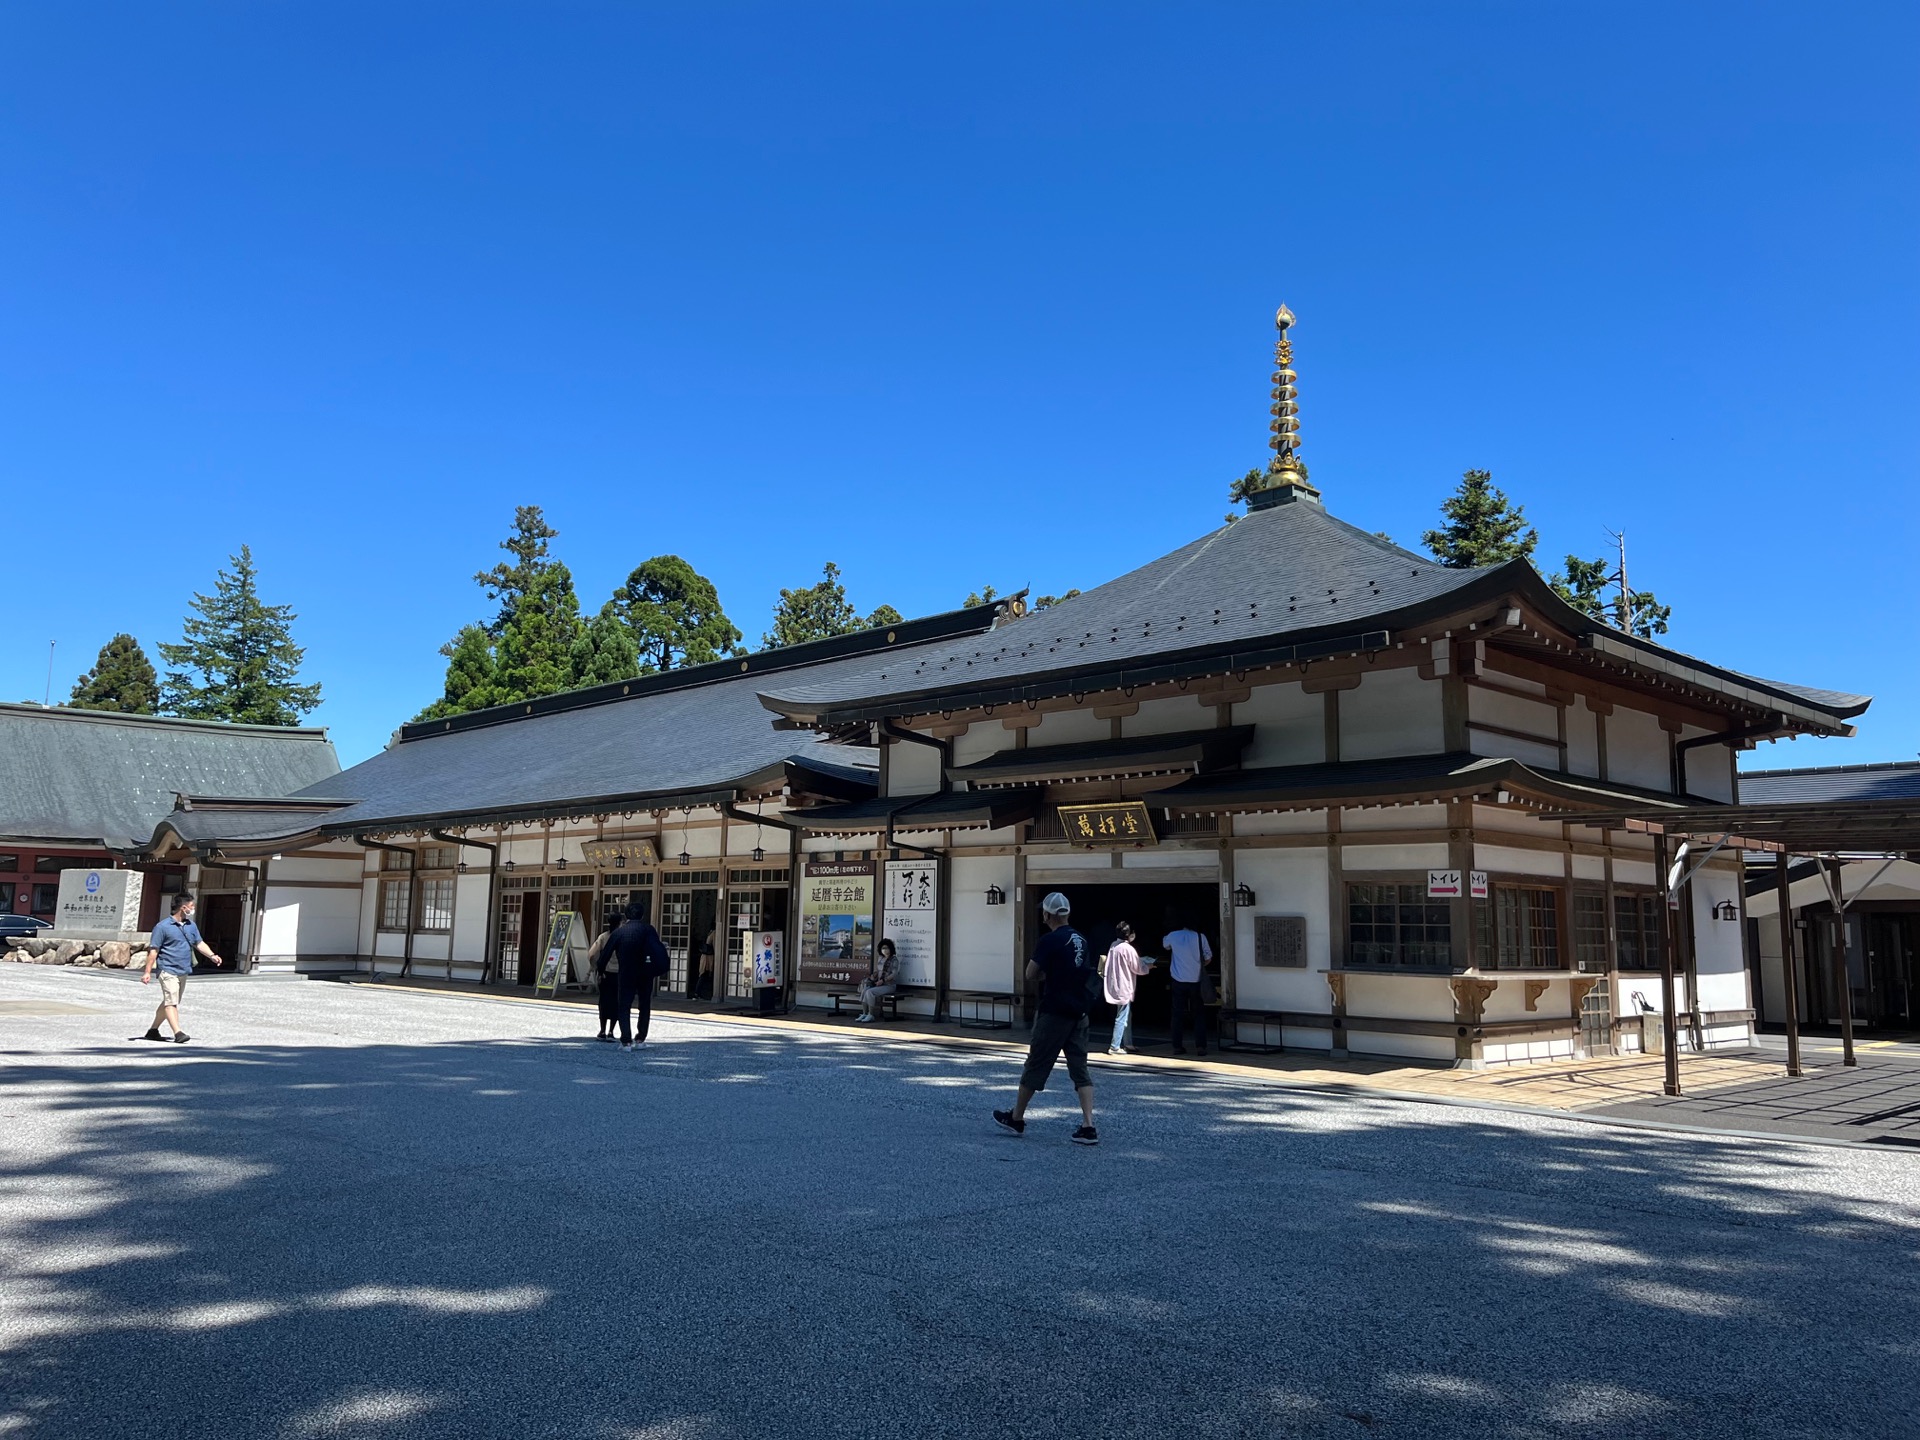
x=565 y=957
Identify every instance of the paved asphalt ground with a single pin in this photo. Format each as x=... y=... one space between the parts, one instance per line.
x=348 y=1212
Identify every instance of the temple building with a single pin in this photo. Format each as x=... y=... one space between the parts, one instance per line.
x=1360 y=773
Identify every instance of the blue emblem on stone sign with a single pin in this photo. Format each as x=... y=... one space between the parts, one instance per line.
x=93 y=881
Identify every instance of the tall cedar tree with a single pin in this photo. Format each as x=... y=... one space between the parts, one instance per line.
x=1483 y=526
x=674 y=614
x=820 y=612
x=241 y=650
x=470 y=667
x=122 y=679
x=535 y=653
x=528 y=547
x=1583 y=585
x=604 y=650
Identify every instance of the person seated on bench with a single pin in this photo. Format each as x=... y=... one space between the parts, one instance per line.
x=883 y=979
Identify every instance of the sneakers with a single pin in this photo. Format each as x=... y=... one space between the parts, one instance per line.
x=626 y=1044
x=153 y=1034
x=1115 y=1050
x=179 y=1037
x=1086 y=1135
x=1004 y=1119
x=608 y=1038
x=863 y=1018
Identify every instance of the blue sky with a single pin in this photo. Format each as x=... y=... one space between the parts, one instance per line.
x=949 y=295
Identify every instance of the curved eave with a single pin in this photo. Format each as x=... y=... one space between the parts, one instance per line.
x=1515 y=579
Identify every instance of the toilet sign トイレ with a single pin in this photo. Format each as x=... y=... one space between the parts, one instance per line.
x=1446 y=884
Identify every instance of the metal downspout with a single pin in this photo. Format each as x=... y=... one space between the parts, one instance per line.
x=1724 y=737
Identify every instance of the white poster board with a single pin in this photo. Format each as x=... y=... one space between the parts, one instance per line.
x=910 y=909
x=768 y=951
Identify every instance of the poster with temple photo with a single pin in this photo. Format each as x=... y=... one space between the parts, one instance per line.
x=836 y=922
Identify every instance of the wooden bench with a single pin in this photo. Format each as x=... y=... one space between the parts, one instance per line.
x=991 y=1000
x=889 y=1004
x=1272 y=1025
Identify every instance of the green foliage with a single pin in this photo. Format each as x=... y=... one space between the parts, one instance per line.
x=1047 y=602
x=604 y=650
x=536 y=649
x=1583 y=585
x=241 y=650
x=122 y=679
x=984 y=596
x=1483 y=526
x=1243 y=488
x=528 y=547
x=819 y=612
x=470 y=678
x=674 y=615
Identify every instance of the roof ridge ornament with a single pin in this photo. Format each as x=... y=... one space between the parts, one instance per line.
x=1285 y=479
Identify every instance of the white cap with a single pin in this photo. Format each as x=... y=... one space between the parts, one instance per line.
x=1055 y=904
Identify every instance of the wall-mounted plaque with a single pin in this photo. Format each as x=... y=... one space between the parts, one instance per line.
x=1115 y=822
x=1280 y=942
x=636 y=853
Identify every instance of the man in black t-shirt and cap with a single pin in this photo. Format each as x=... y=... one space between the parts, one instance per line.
x=1063 y=964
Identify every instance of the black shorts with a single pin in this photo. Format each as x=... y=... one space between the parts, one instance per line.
x=1052 y=1034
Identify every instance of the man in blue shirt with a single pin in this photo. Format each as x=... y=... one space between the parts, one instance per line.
x=176 y=940
x=1063 y=964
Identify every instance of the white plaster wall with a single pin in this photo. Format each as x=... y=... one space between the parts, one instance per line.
x=1393 y=857
x=1068 y=727
x=1290 y=726
x=316 y=867
x=1709 y=768
x=1505 y=747
x=1400 y=997
x=470 y=905
x=1510 y=860
x=1286 y=882
x=369 y=914
x=1589 y=867
x=1633 y=872
x=1583 y=739
x=1637 y=750
x=1405 y=1047
x=430 y=949
x=522 y=850
x=1168 y=716
x=1393 y=712
x=1394 y=817
x=310 y=922
x=912 y=769
x=1719 y=956
x=1496 y=707
x=982 y=738
x=981 y=940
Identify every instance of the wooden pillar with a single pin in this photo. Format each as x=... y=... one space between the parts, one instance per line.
x=1670 y=1030
x=1022 y=931
x=722 y=922
x=1789 y=981
x=1841 y=983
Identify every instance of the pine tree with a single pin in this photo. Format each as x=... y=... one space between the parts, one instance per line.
x=528 y=547
x=675 y=617
x=535 y=653
x=1483 y=526
x=470 y=675
x=241 y=650
x=820 y=612
x=604 y=651
x=122 y=679
x=1583 y=585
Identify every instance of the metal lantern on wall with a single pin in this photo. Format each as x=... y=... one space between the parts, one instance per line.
x=995 y=895
x=1243 y=898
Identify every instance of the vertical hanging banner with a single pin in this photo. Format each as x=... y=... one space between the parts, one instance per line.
x=836 y=922
x=768 y=948
x=910 y=917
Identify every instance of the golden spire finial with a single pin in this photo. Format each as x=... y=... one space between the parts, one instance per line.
x=1286 y=475
x=1286 y=407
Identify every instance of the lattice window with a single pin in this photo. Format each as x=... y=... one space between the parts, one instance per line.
x=1636 y=925
x=395 y=898
x=436 y=903
x=1524 y=930
x=1397 y=926
x=1590 y=951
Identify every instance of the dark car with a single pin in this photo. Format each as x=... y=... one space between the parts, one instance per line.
x=22 y=925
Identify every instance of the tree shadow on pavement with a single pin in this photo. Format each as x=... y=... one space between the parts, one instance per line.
x=752 y=1233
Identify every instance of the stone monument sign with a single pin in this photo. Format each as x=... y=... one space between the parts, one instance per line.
x=98 y=904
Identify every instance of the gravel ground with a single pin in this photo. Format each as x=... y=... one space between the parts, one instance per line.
x=348 y=1212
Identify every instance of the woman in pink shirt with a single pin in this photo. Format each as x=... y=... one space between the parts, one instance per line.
x=1121 y=968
